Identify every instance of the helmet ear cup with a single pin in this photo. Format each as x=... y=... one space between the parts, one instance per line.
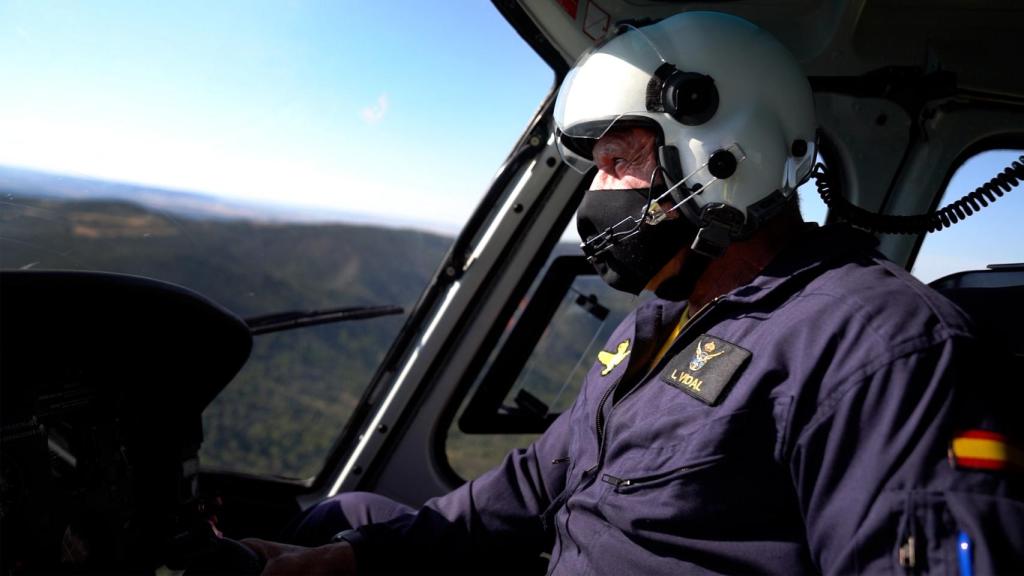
x=690 y=98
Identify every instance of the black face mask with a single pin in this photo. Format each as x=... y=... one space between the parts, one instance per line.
x=628 y=262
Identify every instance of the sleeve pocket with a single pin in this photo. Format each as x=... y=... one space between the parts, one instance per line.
x=995 y=526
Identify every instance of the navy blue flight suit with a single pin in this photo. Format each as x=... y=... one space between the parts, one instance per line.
x=800 y=424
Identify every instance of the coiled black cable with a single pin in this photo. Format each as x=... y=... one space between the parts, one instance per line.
x=933 y=221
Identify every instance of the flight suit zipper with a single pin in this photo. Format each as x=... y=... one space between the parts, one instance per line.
x=599 y=422
x=704 y=310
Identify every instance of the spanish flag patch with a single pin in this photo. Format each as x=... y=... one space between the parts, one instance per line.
x=984 y=450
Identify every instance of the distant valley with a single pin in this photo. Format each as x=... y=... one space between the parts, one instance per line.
x=192 y=204
x=285 y=409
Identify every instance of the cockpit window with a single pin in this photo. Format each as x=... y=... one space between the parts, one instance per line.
x=992 y=236
x=285 y=157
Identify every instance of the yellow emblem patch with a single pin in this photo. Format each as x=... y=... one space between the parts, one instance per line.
x=612 y=359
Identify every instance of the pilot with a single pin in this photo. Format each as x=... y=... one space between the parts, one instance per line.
x=786 y=402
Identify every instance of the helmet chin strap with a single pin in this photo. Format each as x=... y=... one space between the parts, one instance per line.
x=679 y=286
x=720 y=224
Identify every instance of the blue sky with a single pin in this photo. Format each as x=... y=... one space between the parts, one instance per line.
x=404 y=107
x=365 y=106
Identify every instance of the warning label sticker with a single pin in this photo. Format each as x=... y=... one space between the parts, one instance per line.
x=570 y=7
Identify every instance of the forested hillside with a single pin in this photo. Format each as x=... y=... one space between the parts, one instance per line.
x=286 y=407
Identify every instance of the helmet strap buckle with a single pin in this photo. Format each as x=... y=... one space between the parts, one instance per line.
x=720 y=225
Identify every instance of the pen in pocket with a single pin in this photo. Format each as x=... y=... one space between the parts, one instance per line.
x=965 y=551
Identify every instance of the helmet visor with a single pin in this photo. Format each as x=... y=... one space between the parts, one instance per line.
x=606 y=88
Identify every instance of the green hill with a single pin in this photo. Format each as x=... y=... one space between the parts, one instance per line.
x=282 y=412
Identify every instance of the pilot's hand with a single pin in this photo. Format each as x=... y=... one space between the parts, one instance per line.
x=287 y=560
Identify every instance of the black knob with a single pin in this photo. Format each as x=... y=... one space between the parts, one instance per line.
x=722 y=164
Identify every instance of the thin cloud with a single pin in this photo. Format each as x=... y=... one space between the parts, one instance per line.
x=375 y=113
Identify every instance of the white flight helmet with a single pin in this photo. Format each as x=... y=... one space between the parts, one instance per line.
x=733 y=111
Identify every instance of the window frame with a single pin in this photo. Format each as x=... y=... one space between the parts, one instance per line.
x=484 y=413
x=993 y=143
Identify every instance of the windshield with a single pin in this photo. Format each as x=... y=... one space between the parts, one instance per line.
x=248 y=139
x=275 y=157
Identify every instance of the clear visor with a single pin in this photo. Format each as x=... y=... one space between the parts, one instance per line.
x=606 y=89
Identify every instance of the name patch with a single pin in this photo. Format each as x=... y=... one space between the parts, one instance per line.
x=705 y=368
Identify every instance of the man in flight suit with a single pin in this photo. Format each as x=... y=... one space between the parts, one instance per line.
x=790 y=402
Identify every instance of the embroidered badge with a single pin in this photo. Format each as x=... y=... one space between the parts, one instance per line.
x=984 y=450
x=705 y=368
x=705 y=351
x=612 y=359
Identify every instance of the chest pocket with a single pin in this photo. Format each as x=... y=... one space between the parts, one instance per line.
x=719 y=481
